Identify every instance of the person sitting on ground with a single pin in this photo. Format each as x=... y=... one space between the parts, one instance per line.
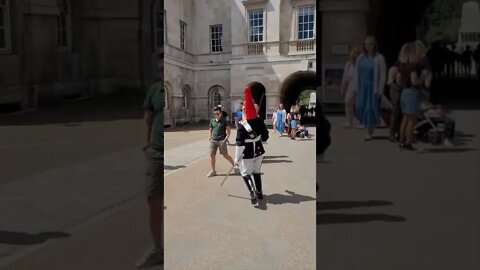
x=438 y=115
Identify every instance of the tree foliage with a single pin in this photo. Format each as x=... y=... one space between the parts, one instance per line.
x=442 y=20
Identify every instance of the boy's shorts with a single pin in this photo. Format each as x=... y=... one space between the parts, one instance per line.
x=154 y=173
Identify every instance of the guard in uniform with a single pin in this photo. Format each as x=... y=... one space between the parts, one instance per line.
x=249 y=148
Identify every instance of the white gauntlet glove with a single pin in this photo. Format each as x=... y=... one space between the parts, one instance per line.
x=239 y=153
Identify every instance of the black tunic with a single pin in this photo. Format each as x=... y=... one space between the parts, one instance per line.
x=258 y=129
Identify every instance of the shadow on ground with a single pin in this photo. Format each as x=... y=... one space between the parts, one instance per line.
x=18 y=238
x=118 y=106
x=291 y=197
x=172 y=168
x=336 y=218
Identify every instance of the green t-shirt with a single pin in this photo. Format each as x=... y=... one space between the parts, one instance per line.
x=219 y=129
x=155 y=102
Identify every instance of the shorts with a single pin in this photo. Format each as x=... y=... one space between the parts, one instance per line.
x=154 y=173
x=221 y=145
x=410 y=102
x=294 y=124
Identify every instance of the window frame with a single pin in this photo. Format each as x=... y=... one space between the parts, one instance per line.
x=297 y=24
x=156 y=11
x=262 y=26
x=183 y=36
x=184 y=98
x=220 y=40
x=7 y=35
x=216 y=93
x=66 y=29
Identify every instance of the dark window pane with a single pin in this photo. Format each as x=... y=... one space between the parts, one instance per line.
x=311 y=18
x=310 y=26
x=2 y=21
x=64 y=38
x=2 y=39
x=159 y=20
x=260 y=30
x=63 y=20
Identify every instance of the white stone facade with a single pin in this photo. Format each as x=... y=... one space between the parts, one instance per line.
x=194 y=76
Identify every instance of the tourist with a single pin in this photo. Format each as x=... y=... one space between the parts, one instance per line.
x=293 y=118
x=347 y=88
x=281 y=119
x=219 y=134
x=274 y=119
x=395 y=91
x=369 y=78
x=238 y=114
x=154 y=106
x=415 y=76
x=249 y=151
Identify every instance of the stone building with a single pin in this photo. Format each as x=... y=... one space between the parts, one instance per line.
x=214 y=48
x=51 y=50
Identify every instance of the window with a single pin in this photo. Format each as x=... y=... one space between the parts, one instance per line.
x=184 y=98
x=183 y=30
x=255 y=25
x=216 y=98
x=165 y=98
x=306 y=21
x=159 y=25
x=216 y=34
x=4 y=25
x=63 y=24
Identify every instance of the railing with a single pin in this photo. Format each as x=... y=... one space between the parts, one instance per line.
x=276 y=47
x=304 y=45
x=255 y=48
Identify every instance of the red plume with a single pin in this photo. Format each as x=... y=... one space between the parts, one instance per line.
x=250 y=111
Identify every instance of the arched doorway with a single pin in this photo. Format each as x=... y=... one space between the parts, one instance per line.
x=295 y=87
x=259 y=96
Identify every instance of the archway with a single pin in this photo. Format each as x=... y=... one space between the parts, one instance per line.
x=294 y=85
x=259 y=96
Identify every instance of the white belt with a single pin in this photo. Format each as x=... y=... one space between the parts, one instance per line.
x=253 y=140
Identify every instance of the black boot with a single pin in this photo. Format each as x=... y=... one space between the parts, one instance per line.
x=247 y=180
x=258 y=185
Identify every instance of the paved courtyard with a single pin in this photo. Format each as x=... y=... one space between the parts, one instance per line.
x=381 y=208
x=71 y=191
x=213 y=227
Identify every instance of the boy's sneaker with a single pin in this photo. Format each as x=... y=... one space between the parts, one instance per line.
x=448 y=143
x=151 y=258
x=212 y=174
